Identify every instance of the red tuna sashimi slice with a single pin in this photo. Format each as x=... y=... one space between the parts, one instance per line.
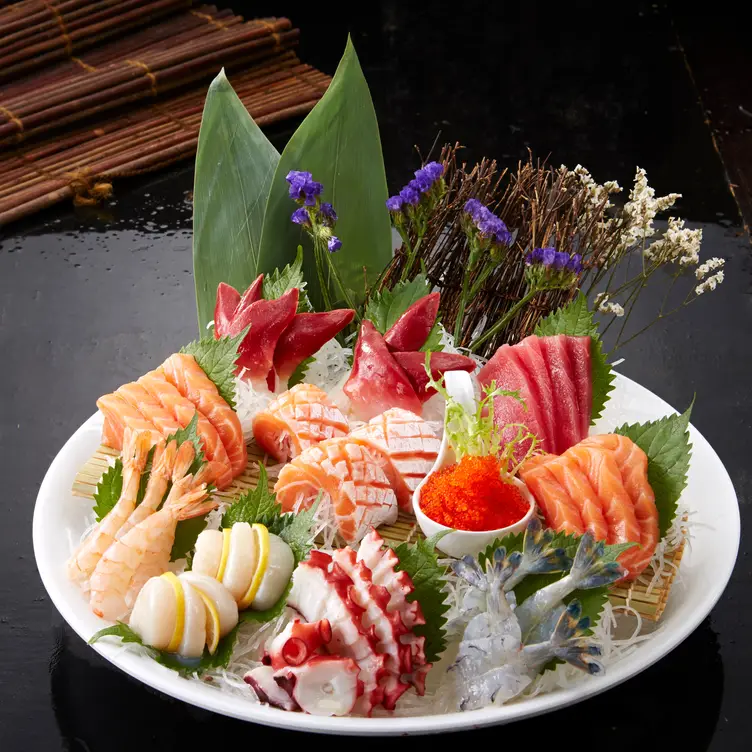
x=568 y=418
x=505 y=370
x=377 y=382
x=224 y=309
x=267 y=319
x=541 y=404
x=307 y=333
x=412 y=328
x=578 y=349
x=414 y=365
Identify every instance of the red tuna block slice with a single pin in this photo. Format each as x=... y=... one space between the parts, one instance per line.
x=307 y=333
x=377 y=382
x=412 y=328
x=224 y=309
x=578 y=349
x=504 y=368
x=541 y=390
x=267 y=319
x=568 y=416
x=252 y=294
x=414 y=365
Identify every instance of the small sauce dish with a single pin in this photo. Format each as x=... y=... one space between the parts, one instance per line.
x=459 y=543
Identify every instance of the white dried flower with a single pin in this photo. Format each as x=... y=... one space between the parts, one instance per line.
x=640 y=210
x=710 y=283
x=678 y=245
x=709 y=266
x=614 y=308
x=598 y=194
x=601 y=297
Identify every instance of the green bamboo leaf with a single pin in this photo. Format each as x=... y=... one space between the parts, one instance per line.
x=235 y=165
x=339 y=143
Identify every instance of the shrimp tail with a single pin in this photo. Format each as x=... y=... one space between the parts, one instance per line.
x=186 y=453
x=589 y=569
x=569 y=643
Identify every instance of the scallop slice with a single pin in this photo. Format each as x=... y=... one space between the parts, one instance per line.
x=242 y=560
x=280 y=564
x=208 y=553
x=154 y=613
x=220 y=596
x=194 y=628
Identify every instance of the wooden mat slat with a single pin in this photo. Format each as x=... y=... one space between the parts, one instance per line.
x=649 y=605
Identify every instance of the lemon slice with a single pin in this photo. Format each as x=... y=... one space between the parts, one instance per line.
x=212 y=622
x=225 y=553
x=262 y=535
x=177 y=632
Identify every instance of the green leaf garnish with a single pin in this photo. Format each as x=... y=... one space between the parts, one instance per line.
x=186 y=534
x=277 y=282
x=235 y=165
x=261 y=617
x=123 y=631
x=108 y=491
x=217 y=360
x=297 y=531
x=433 y=342
x=421 y=562
x=666 y=443
x=190 y=433
x=384 y=308
x=299 y=374
x=256 y=505
x=576 y=320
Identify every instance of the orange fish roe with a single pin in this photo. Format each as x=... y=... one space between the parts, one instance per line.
x=472 y=495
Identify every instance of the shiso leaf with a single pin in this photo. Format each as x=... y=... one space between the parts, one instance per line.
x=299 y=374
x=235 y=165
x=433 y=343
x=666 y=443
x=109 y=488
x=186 y=534
x=339 y=144
x=260 y=617
x=421 y=562
x=384 y=308
x=277 y=282
x=217 y=357
x=576 y=320
x=257 y=505
x=190 y=433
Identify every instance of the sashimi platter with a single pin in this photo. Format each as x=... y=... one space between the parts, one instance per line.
x=394 y=485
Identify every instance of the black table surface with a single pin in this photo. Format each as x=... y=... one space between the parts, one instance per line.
x=92 y=298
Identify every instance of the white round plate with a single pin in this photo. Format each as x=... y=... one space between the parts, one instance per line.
x=705 y=570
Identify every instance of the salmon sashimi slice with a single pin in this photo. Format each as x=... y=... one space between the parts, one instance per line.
x=134 y=394
x=119 y=415
x=559 y=509
x=349 y=473
x=571 y=478
x=184 y=373
x=411 y=445
x=184 y=410
x=633 y=464
x=618 y=508
x=296 y=420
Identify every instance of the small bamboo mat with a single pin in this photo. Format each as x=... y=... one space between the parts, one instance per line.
x=650 y=605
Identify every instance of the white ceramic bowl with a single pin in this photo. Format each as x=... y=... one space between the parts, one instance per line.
x=459 y=543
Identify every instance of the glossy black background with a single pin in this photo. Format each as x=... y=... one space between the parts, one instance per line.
x=89 y=299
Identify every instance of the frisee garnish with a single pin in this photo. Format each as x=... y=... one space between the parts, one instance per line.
x=666 y=443
x=421 y=562
x=576 y=320
x=217 y=357
x=277 y=283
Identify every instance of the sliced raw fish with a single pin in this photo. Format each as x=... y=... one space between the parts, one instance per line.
x=183 y=409
x=119 y=415
x=504 y=369
x=414 y=365
x=252 y=294
x=559 y=509
x=224 y=309
x=349 y=472
x=135 y=395
x=633 y=464
x=541 y=403
x=377 y=382
x=297 y=419
x=566 y=410
x=411 y=445
x=184 y=373
x=412 y=328
x=578 y=349
x=307 y=333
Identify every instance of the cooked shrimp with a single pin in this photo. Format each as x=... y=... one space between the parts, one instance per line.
x=144 y=551
x=84 y=560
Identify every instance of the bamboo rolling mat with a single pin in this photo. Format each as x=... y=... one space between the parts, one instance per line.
x=649 y=605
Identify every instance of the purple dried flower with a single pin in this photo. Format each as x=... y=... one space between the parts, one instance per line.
x=434 y=170
x=473 y=206
x=423 y=181
x=409 y=195
x=547 y=256
x=394 y=203
x=575 y=263
x=300 y=217
x=327 y=210
x=502 y=235
x=334 y=244
x=534 y=257
x=303 y=187
x=561 y=260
